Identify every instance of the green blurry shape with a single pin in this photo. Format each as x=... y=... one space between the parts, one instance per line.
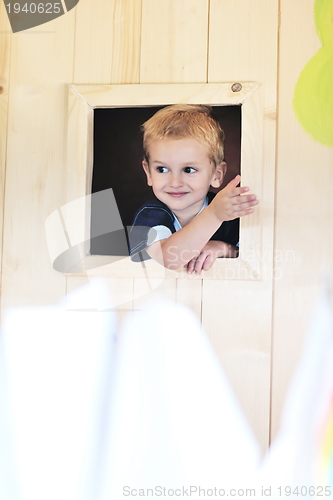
x=324 y=21
x=313 y=96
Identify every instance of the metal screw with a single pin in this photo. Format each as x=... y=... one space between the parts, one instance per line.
x=236 y=87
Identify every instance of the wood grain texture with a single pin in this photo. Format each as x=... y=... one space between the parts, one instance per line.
x=174 y=50
x=79 y=147
x=237 y=316
x=107 y=50
x=243 y=43
x=174 y=41
x=41 y=66
x=304 y=212
x=5 y=44
x=189 y=293
x=107 y=41
x=120 y=290
x=160 y=94
x=153 y=289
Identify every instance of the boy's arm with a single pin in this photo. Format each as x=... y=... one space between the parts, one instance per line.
x=187 y=243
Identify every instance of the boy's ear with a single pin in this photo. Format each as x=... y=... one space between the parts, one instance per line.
x=219 y=174
x=145 y=167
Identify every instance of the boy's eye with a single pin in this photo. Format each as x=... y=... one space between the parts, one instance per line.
x=189 y=170
x=162 y=170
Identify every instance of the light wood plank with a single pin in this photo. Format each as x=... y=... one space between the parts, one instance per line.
x=189 y=293
x=5 y=43
x=304 y=210
x=75 y=282
x=174 y=41
x=107 y=50
x=80 y=147
x=120 y=290
x=147 y=290
x=250 y=33
x=237 y=318
x=243 y=43
x=161 y=93
x=41 y=67
x=107 y=42
x=238 y=315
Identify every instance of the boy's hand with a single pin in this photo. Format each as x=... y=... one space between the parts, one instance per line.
x=210 y=252
x=228 y=204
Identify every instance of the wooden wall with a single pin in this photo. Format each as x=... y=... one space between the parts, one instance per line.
x=303 y=212
x=256 y=327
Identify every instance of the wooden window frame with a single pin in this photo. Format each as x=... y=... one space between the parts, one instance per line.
x=83 y=99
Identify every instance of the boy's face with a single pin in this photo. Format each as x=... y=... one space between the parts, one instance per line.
x=180 y=173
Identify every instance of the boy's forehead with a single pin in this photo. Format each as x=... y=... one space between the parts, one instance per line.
x=178 y=146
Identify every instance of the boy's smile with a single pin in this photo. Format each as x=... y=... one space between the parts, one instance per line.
x=180 y=173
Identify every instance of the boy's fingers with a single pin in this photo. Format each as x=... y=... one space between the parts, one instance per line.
x=243 y=210
x=199 y=263
x=204 y=262
x=246 y=200
x=208 y=262
x=241 y=213
x=234 y=182
x=190 y=266
x=238 y=191
x=195 y=264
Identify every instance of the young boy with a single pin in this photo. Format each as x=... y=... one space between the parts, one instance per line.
x=185 y=225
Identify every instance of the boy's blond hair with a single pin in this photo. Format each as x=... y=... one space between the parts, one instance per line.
x=181 y=121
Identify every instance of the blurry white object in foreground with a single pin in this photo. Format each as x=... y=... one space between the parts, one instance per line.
x=175 y=420
x=57 y=368
x=78 y=425
x=295 y=453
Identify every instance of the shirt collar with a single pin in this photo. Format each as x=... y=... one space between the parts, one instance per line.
x=176 y=222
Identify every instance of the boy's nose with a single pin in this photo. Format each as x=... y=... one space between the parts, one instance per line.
x=176 y=180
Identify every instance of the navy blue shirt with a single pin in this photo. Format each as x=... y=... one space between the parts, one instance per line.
x=155 y=213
